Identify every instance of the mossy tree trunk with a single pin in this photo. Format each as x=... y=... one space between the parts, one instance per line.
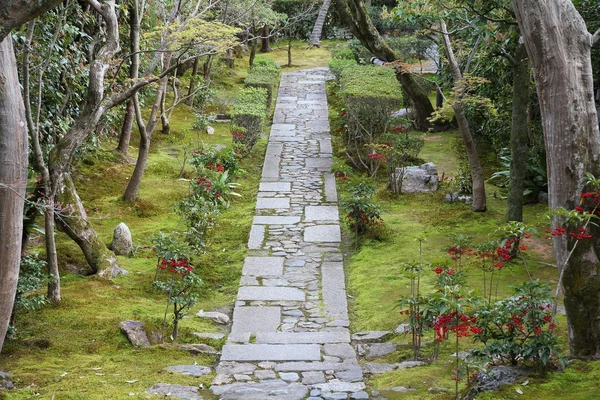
x=353 y=12
x=265 y=39
x=559 y=47
x=518 y=135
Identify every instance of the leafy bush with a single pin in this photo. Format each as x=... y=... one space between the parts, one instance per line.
x=536 y=178
x=361 y=212
x=520 y=328
x=264 y=73
x=249 y=113
x=361 y=54
x=341 y=51
x=371 y=94
x=410 y=48
x=336 y=66
x=32 y=276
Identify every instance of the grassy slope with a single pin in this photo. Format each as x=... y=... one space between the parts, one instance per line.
x=75 y=350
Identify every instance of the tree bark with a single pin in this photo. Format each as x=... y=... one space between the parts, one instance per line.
x=253 y=45
x=192 y=87
x=14 y=13
x=265 y=39
x=315 y=36
x=13 y=180
x=355 y=15
x=479 y=200
x=559 y=47
x=519 y=134
x=134 y=45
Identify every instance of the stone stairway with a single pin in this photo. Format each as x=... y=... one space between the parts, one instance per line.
x=290 y=337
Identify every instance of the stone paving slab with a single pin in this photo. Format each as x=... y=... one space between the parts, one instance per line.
x=257 y=236
x=323 y=233
x=334 y=290
x=275 y=187
x=271 y=352
x=303 y=337
x=321 y=213
x=275 y=220
x=272 y=160
x=270 y=202
x=255 y=319
x=270 y=293
x=263 y=266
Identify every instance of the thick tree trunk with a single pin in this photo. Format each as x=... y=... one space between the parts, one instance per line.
x=355 y=15
x=559 y=47
x=315 y=36
x=518 y=135
x=134 y=45
x=13 y=180
x=479 y=200
x=253 y=45
x=265 y=40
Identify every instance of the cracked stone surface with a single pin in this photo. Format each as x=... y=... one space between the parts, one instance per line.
x=290 y=337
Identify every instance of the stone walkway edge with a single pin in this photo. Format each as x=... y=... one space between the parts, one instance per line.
x=290 y=338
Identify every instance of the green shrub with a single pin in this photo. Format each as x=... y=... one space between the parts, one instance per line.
x=371 y=94
x=264 y=73
x=336 y=66
x=249 y=113
x=342 y=52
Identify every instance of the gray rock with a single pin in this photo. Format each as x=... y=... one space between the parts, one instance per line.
x=271 y=352
x=208 y=335
x=378 y=368
x=402 y=329
x=261 y=390
x=339 y=386
x=192 y=370
x=5 y=381
x=221 y=379
x=371 y=336
x=415 y=179
x=217 y=317
x=400 y=389
x=496 y=377
x=315 y=392
x=334 y=396
x=122 y=244
x=289 y=376
x=380 y=349
x=242 y=378
x=175 y=391
x=434 y=389
x=339 y=350
x=452 y=197
x=351 y=375
x=322 y=233
x=134 y=330
x=264 y=374
x=231 y=368
x=198 y=348
x=313 y=377
x=359 y=396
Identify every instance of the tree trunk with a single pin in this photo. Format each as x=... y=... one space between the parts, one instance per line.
x=190 y=99
x=145 y=136
x=518 y=135
x=13 y=180
x=265 y=39
x=134 y=45
x=164 y=118
x=315 y=36
x=289 y=51
x=479 y=200
x=559 y=47
x=253 y=45
x=355 y=15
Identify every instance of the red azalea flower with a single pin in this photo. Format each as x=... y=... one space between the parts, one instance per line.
x=438 y=270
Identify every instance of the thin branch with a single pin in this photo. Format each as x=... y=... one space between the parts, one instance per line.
x=471 y=55
x=596 y=37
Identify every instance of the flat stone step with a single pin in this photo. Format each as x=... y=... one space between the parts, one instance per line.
x=302 y=337
x=270 y=293
x=255 y=319
x=273 y=389
x=275 y=220
x=271 y=352
x=323 y=234
x=263 y=266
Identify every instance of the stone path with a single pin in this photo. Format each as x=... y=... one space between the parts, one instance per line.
x=290 y=338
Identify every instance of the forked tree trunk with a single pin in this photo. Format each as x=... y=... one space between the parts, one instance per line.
x=479 y=200
x=315 y=36
x=354 y=14
x=559 y=47
x=13 y=180
x=519 y=133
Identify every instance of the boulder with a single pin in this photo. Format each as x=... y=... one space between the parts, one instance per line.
x=122 y=244
x=215 y=316
x=134 y=330
x=495 y=378
x=415 y=179
x=5 y=381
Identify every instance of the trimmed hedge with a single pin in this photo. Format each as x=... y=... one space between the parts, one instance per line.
x=337 y=65
x=371 y=94
x=264 y=73
x=249 y=113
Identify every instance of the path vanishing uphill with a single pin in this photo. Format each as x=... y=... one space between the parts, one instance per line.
x=290 y=338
